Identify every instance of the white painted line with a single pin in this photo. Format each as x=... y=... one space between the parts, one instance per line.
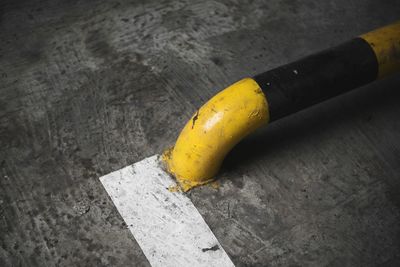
x=167 y=226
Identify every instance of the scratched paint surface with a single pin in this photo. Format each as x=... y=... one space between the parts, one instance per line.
x=166 y=225
x=88 y=87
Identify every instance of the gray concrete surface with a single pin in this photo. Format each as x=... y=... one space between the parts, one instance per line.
x=88 y=87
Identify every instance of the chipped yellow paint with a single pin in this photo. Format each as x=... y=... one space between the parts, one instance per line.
x=174 y=188
x=385 y=42
x=214 y=185
x=214 y=130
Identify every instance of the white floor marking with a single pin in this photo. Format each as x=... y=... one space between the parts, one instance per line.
x=166 y=225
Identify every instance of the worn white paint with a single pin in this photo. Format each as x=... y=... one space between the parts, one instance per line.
x=166 y=225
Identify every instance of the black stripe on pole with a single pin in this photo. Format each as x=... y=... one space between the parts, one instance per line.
x=318 y=77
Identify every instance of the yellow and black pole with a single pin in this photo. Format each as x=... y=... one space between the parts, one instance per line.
x=252 y=102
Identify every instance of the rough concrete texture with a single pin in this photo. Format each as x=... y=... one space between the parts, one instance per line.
x=88 y=87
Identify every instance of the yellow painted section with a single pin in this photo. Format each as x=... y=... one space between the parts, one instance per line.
x=386 y=44
x=214 y=130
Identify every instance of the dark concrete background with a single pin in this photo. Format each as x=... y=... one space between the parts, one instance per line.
x=88 y=87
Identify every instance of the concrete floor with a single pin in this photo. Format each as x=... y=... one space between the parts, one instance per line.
x=88 y=87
